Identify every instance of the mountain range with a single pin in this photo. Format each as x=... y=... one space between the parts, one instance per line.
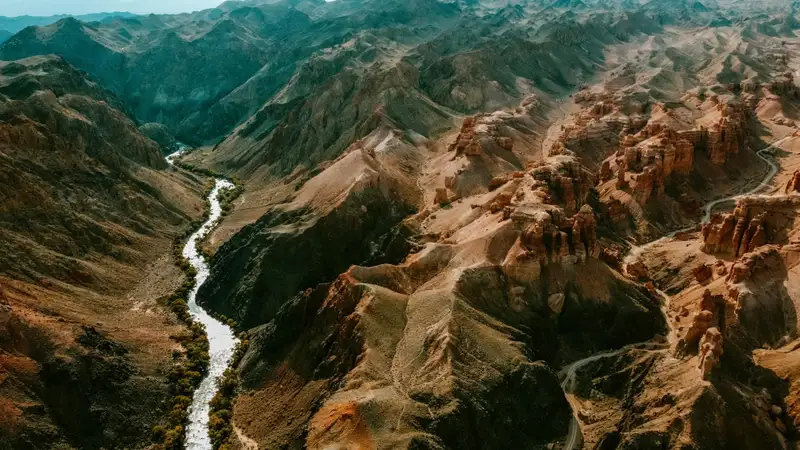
x=465 y=224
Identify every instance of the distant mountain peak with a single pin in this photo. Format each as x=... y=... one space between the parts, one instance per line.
x=569 y=4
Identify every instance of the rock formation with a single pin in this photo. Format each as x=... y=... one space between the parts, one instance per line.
x=476 y=136
x=644 y=165
x=711 y=314
x=737 y=233
x=726 y=136
x=548 y=236
x=793 y=185
x=702 y=273
x=710 y=352
x=756 y=221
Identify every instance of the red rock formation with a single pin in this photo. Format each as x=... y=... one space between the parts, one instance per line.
x=551 y=237
x=644 y=168
x=702 y=273
x=637 y=270
x=441 y=196
x=710 y=352
x=501 y=201
x=465 y=142
x=700 y=324
x=718 y=233
x=765 y=258
x=721 y=269
x=568 y=179
x=505 y=142
x=473 y=139
x=793 y=185
x=737 y=233
x=726 y=136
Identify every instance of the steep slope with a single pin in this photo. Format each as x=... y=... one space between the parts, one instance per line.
x=88 y=210
x=474 y=298
x=423 y=328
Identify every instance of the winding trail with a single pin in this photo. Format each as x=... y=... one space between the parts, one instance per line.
x=221 y=339
x=574 y=436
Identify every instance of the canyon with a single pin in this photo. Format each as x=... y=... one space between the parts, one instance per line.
x=462 y=224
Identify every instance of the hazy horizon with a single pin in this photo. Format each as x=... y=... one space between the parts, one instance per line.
x=13 y=8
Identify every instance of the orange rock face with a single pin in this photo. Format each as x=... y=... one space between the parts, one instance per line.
x=700 y=324
x=710 y=352
x=551 y=237
x=756 y=221
x=637 y=270
x=441 y=196
x=702 y=273
x=726 y=137
x=570 y=181
x=473 y=140
x=793 y=185
x=643 y=168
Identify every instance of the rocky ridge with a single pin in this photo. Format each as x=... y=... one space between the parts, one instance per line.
x=85 y=200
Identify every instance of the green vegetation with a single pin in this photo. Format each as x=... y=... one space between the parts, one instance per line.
x=226 y=197
x=186 y=373
x=220 y=417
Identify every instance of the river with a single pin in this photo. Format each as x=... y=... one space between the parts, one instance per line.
x=574 y=436
x=221 y=338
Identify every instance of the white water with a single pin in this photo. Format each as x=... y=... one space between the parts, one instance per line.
x=221 y=339
x=574 y=435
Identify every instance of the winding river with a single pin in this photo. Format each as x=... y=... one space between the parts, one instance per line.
x=221 y=339
x=574 y=436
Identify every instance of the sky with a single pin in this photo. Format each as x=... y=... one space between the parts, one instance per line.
x=51 y=7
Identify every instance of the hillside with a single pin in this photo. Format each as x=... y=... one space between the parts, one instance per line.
x=88 y=211
x=460 y=224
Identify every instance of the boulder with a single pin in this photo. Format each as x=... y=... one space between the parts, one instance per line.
x=505 y=142
x=637 y=270
x=556 y=303
x=702 y=273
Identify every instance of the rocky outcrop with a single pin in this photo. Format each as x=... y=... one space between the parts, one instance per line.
x=793 y=185
x=727 y=136
x=736 y=233
x=644 y=167
x=86 y=214
x=784 y=85
x=757 y=283
x=710 y=315
x=637 y=270
x=748 y=266
x=477 y=136
x=756 y=221
x=710 y=352
x=548 y=236
x=702 y=273
x=564 y=177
